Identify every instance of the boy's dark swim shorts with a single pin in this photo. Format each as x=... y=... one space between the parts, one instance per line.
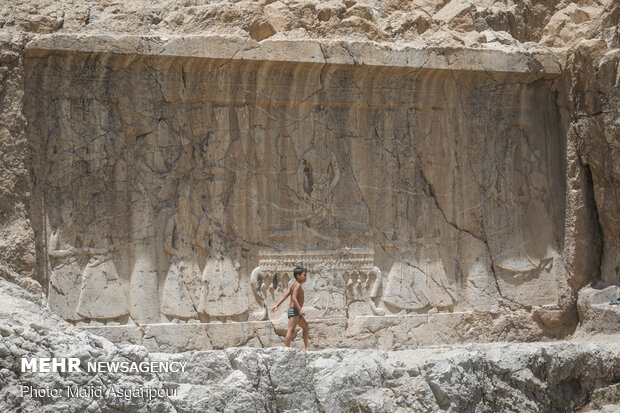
x=293 y=312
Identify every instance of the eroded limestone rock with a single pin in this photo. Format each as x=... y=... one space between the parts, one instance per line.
x=180 y=181
x=556 y=376
x=480 y=213
x=596 y=315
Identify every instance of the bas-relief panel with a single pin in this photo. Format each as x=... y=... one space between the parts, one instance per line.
x=171 y=187
x=338 y=281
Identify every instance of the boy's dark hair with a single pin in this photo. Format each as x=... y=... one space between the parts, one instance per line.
x=298 y=271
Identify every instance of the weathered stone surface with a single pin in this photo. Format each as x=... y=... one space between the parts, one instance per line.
x=595 y=313
x=29 y=330
x=394 y=332
x=151 y=262
x=491 y=377
x=532 y=63
x=399 y=21
x=16 y=235
x=550 y=225
x=175 y=179
x=594 y=103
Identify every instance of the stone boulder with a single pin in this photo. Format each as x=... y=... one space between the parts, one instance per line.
x=546 y=377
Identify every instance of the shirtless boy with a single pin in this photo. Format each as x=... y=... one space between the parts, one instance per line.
x=295 y=312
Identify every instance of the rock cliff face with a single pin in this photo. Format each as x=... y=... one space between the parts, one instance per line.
x=437 y=164
x=325 y=165
x=16 y=233
x=447 y=169
x=551 y=377
x=590 y=93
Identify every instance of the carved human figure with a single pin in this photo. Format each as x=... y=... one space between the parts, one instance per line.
x=408 y=289
x=66 y=276
x=180 y=296
x=317 y=174
x=143 y=284
x=102 y=296
x=520 y=242
x=221 y=294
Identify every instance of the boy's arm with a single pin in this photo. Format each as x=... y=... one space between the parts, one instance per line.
x=275 y=307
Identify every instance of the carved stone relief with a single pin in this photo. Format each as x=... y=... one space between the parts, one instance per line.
x=221 y=290
x=179 y=299
x=181 y=189
x=65 y=273
x=337 y=281
x=102 y=294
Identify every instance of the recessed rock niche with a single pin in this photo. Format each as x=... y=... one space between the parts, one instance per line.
x=177 y=187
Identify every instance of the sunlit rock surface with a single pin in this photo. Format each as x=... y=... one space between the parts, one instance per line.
x=557 y=376
x=424 y=181
x=447 y=170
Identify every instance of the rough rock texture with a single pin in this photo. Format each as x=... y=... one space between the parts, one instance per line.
x=173 y=204
x=574 y=194
x=596 y=315
x=546 y=377
x=439 y=22
x=29 y=329
x=590 y=92
x=559 y=163
x=16 y=233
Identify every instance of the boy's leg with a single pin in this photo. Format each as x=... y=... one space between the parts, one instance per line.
x=292 y=323
x=304 y=326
